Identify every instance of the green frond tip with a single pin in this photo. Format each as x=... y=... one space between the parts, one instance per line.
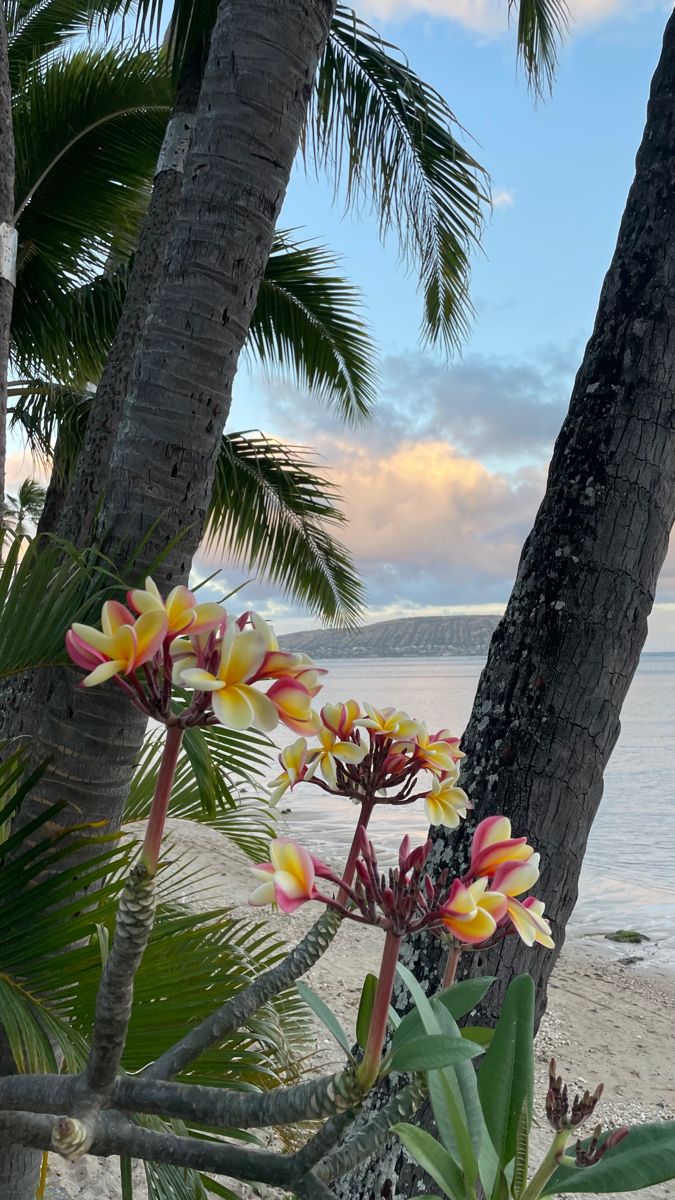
x=272 y=512
x=391 y=141
x=307 y=322
x=542 y=25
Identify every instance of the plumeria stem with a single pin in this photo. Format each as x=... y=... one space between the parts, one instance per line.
x=369 y=1069
x=160 y=803
x=451 y=966
x=365 y=814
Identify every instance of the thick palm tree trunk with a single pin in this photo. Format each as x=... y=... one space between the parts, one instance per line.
x=76 y=514
x=253 y=102
x=547 y=712
x=7 y=243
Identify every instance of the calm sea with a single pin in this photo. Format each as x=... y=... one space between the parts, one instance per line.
x=628 y=878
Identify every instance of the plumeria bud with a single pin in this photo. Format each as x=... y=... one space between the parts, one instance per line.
x=556 y=1099
x=591 y=1154
x=583 y=1106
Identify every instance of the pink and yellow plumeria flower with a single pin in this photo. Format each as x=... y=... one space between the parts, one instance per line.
x=437 y=752
x=511 y=879
x=122 y=645
x=235 y=702
x=493 y=845
x=340 y=718
x=388 y=722
x=446 y=804
x=295 y=768
x=471 y=913
x=288 y=879
x=332 y=750
x=183 y=613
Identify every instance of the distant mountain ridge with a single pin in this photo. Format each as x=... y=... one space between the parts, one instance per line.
x=407 y=637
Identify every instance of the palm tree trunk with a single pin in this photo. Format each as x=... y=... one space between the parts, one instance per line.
x=547 y=712
x=253 y=102
x=7 y=243
x=79 y=506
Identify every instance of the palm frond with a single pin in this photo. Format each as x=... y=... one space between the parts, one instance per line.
x=43 y=589
x=69 y=341
x=272 y=512
x=218 y=764
x=38 y=27
x=88 y=128
x=391 y=140
x=307 y=322
x=541 y=26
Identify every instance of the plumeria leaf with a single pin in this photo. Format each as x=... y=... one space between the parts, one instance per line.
x=429 y=1052
x=433 y=1159
x=365 y=1009
x=326 y=1016
x=458 y=1000
x=506 y=1077
x=644 y=1158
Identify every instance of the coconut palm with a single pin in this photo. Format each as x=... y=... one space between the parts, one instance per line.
x=24 y=505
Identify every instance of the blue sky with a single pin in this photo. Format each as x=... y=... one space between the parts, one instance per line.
x=443 y=485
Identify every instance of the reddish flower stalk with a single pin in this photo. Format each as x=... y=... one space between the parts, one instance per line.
x=370 y=1067
x=160 y=802
x=451 y=966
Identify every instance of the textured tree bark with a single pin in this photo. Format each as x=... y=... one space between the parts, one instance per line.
x=252 y=106
x=7 y=244
x=547 y=712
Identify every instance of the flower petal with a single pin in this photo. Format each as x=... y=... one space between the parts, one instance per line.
x=200 y=680
x=232 y=708
x=103 y=672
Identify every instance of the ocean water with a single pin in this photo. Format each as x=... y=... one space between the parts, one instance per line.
x=628 y=877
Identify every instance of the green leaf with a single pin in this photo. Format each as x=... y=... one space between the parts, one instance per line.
x=458 y=1000
x=428 y=1053
x=274 y=513
x=522 y=1151
x=307 y=323
x=126 y=1180
x=433 y=1159
x=365 y=1009
x=481 y=1034
x=542 y=25
x=506 y=1076
x=390 y=140
x=644 y=1158
x=325 y=1015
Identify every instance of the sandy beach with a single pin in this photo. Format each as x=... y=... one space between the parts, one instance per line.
x=606 y=1020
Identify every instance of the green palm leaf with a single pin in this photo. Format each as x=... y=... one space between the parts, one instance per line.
x=38 y=27
x=88 y=128
x=391 y=140
x=541 y=26
x=272 y=512
x=306 y=323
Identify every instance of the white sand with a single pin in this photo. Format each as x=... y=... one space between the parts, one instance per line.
x=606 y=1021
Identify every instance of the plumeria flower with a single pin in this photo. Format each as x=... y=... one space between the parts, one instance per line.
x=340 y=718
x=123 y=644
x=234 y=701
x=512 y=879
x=295 y=768
x=289 y=878
x=183 y=613
x=332 y=751
x=436 y=752
x=493 y=845
x=446 y=804
x=388 y=722
x=471 y=913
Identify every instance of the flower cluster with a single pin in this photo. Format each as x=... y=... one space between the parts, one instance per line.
x=475 y=910
x=151 y=646
x=377 y=756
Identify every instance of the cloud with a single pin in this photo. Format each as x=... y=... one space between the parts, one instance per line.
x=503 y=198
x=20 y=465
x=491 y=16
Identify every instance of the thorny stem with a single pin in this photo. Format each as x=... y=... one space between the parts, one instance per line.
x=160 y=803
x=370 y=1066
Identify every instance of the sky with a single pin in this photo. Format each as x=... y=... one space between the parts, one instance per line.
x=441 y=487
